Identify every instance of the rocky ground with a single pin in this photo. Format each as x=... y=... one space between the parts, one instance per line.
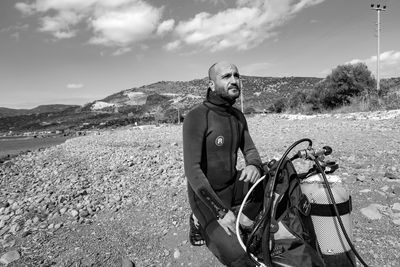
x=118 y=197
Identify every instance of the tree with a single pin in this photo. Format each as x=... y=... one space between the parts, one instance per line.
x=345 y=82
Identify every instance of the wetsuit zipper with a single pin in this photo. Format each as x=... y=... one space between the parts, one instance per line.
x=231 y=145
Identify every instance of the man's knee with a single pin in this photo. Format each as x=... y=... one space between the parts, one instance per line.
x=243 y=261
x=226 y=247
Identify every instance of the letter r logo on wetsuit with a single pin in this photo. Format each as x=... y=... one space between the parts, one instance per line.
x=219 y=141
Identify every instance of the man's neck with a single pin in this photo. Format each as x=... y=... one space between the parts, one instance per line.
x=218 y=100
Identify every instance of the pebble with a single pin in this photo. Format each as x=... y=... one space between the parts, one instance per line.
x=74 y=213
x=177 y=254
x=384 y=188
x=63 y=210
x=396 y=207
x=105 y=173
x=372 y=212
x=9 y=243
x=15 y=228
x=365 y=191
x=391 y=176
x=83 y=213
x=10 y=257
x=360 y=178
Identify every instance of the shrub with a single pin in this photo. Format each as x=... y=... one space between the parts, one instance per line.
x=346 y=82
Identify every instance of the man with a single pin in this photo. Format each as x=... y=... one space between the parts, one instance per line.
x=213 y=132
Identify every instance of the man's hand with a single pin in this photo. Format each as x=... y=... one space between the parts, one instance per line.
x=250 y=174
x=228 y=223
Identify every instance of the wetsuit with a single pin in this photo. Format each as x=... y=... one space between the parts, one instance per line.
x=213 y=132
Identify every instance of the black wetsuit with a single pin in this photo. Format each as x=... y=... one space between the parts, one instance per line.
x=213 y=132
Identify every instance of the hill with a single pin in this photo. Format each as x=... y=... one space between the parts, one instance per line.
x=163 y=101
x=9 y=112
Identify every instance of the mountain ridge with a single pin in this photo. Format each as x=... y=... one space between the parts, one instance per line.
x=163 y=101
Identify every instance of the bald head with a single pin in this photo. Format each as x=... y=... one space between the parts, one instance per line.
x=219 y=67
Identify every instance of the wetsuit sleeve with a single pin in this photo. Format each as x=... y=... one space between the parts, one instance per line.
x=194 y=132
x=249 y=150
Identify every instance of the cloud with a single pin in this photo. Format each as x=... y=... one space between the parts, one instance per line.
x=75 y=86
x=165 y=26
x=115 y=23
x=215 y=2
x=122 y=51
x=122 y=23
x=243 y=27
x=256 y=69
x=25 y=9
x=389 y=63
x=124 y=26
x=61 y=26
x=173 y=45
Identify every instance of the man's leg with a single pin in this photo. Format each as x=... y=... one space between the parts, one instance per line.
x=226 y=247
x=254 y=202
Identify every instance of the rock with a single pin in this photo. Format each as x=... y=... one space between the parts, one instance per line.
x=385 y=188
x=391 y=176
x=35 y=220
x=9 y=243
x=26 y=233
x=74 y=213
x=177 y=254
x=365 y=191
x=360 y=178
x=166 y=252
x=126 y=262
x=83 y=213
x=372 y=212
x=396 y=207
x=10 y=257
x=63 y=210
x=15 y=228
x=58 y=226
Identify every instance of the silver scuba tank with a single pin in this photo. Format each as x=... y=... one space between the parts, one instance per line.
x=333 y=245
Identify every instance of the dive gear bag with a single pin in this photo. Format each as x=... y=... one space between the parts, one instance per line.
x=283 y=234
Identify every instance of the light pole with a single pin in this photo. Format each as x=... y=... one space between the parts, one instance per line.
x=241 y=95
x=378 y=8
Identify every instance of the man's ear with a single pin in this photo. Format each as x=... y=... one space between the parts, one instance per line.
x=211 y=85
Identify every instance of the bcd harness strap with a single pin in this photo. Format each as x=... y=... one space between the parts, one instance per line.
x=327 y=210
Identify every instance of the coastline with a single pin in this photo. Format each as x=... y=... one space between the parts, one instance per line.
x=12 y=147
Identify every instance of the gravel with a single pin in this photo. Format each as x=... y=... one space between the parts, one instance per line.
x=115 y=197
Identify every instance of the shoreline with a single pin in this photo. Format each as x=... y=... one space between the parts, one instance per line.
x=13 y=147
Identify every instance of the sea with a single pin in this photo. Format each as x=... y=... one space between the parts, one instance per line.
x=14 y=145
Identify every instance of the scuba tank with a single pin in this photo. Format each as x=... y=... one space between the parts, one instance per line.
x=331 y=240
x=313 y=207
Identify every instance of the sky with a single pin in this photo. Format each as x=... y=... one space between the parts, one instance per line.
x=78 y=51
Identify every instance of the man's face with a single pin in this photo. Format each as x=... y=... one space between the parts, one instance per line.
x=227 y=81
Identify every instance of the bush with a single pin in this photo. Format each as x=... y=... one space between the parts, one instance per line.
x=346 y=82
x=279 y=105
